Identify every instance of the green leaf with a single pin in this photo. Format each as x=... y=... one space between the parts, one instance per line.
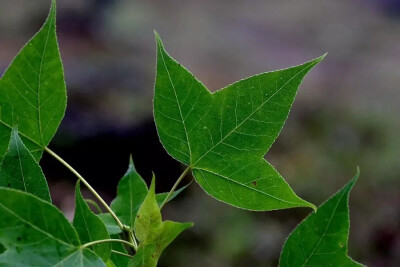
x=224 y=136
x=32 y=91
x=90 y=227
x=132 y=190
x=162 y=196
x=35 y=233
x=19 y=170
x=321 y=239
x=154 y=234
x=111 y=225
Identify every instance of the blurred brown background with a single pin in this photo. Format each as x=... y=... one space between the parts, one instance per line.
x=346 y=113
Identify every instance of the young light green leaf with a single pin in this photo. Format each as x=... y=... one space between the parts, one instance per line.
x=154 y=234
x=223 y=136
x=132 y=190
x=32 y=91
x=90 y=227
x=321 y=239
x=19 y=170
x=35 y=233
x=110 y=223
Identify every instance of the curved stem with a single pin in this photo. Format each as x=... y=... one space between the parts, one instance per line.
x=93 y=203
x=87 y=185
x=121 y=253
x=175 y=186
x=106 y=241
x=132 y=239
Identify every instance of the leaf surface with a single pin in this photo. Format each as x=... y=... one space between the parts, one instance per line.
x=90 y=227
x=111 y=225
x=19 y=170
x=322 y=238
x=154 y=234
x=132 y=190
x=32 y=91
x=224 y=136
x=35 y=233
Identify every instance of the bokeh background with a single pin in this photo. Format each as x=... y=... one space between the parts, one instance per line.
x=346 y=113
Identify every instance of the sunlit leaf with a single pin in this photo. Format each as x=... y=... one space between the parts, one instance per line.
x=224 y=136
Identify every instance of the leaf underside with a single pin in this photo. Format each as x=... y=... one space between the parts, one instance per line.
x=32 y=91
x=322 y=238
x=154 y=234
x=35 y=233
x=19 y=170
x=224 y=136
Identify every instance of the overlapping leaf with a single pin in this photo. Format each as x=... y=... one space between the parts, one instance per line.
x=154 y=234
x=132 y=190
x=35 y=233
x=32 y=91
x=224 y=136
x=90 y=227
x=19 y=170
x=321 y=239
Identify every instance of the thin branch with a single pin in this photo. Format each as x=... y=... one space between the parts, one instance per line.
x=93 y=203
x=106 y=241
x=132 y=239
x=87 y=185
x=121 y=253
x=175 y=186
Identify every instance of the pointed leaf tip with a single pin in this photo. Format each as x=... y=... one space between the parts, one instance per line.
x=153 y=184
x=251 y=114
x=322 y=236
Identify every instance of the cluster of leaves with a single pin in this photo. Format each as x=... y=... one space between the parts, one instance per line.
x=221 y=137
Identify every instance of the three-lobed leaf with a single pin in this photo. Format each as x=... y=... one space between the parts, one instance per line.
x=35 y=233
x=90 y=227
x=32 y=91
x=322 y=238
x=223 y=136
x=19 y=170
x=154 y=234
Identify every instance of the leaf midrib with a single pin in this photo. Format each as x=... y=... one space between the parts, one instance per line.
x=22 y=134
x=38 y=91
x=40 y=76
x=177 y=102
x=251 y=114
x=247 y=187
x=326 y=229
x=34 y=226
